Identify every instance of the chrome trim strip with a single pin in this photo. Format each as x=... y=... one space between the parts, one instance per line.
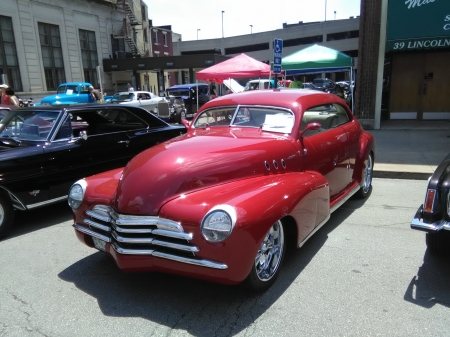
x=132 y=230
x=129 y=220
x=96 y=215
x=46 y=202
x=153 y=241
x=319 y=226
x=348 y=196
x=97 y=225
x=192 y=249
x=175 y=235
x=201 y=263
x=434 y=227
x=91 y=233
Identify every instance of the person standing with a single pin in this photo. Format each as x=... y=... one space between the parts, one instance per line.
x=3 y=96
x=296 y=83
x=130 y=88
x=98 y=97
x=13 y=100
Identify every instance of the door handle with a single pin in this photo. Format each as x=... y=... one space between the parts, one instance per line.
x=425 y=89
x=126 y=142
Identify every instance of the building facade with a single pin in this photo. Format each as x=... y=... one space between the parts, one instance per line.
x=47 y=42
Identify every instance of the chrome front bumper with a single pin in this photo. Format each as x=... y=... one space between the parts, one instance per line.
x=434 y=227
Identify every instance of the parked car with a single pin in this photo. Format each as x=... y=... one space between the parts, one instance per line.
x=259 y=84
x=4 y=109
x=182 y=101
x=257 y=171
x=44 y=150
x=70 y=93
x=324 y=84
x=433 y=216
x=309 y=85
x=144 y=99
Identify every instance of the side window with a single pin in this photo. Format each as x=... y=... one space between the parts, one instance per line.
x=65 y=130
x=327 y=115
x=116 y=120
x=84 y=89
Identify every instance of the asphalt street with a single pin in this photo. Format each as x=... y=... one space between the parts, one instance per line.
x=365 y=273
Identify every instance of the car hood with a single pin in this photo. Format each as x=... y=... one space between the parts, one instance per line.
x=197 y=160
x=60 y=98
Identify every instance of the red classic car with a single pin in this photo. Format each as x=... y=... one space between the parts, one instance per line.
x=255 y=172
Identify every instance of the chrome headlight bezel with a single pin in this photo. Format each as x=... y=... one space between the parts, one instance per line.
x=218 y=223
x=76 y=194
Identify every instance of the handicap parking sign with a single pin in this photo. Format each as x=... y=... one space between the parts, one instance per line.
x=277 y=55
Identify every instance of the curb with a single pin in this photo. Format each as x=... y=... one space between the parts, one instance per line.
x=402 y=175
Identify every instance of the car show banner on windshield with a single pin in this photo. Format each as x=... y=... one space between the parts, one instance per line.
x=418 y=24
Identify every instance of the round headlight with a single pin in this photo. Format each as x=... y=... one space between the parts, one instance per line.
x=76 y=194
x=218 y=223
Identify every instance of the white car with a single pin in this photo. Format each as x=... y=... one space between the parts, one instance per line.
x=144 y=99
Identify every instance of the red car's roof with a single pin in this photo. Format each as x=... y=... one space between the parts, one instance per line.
x=287 y=98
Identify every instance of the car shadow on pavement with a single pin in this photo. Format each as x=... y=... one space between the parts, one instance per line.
x=29 y=221
x=201 y=308
x=430 y=286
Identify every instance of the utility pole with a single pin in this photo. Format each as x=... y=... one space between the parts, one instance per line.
x=222 y=22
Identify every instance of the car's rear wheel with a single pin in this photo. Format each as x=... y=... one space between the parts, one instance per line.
x=6 y=215
x=366 y=187
x=438 y=243
x=268 y=259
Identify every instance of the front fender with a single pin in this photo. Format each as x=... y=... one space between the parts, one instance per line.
x=259 y=202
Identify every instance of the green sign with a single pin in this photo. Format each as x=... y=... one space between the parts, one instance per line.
x=418 y=24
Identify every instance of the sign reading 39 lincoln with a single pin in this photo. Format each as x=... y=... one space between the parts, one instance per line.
x=418 y=24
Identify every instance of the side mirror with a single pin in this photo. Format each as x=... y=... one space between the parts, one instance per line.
x=310 y=126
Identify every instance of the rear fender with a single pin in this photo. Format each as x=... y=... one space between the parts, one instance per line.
x=366 y=146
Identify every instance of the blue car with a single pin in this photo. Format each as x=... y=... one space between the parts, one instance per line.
x=70 y=93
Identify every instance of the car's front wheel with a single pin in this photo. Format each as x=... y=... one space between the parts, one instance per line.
x=366 y=187
x=268 y=259
x=438 y=243
x=181 y=116
x=6 y=215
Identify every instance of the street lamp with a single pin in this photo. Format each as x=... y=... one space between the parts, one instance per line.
x=222 y=22
x=251 y=29
x=335 y=15
x=197 y=32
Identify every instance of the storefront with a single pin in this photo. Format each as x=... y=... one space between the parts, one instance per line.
x=417 y=66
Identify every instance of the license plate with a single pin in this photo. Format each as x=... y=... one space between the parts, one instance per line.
x=99 y=244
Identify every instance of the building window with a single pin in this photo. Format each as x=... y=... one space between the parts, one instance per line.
x=8 y=54
x=165 y=39
x=145 y=36
x=52 y=57
x=118 y=47
x=89 y=56
x=144 y=16
x=155 y=36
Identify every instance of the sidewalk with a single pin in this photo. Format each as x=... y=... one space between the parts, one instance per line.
x=410 y=149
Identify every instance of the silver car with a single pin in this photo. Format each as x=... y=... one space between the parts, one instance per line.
x=143 y=99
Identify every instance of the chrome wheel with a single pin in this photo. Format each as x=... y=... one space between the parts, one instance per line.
x=6 y=215
x=368 y=172
x=270 y=253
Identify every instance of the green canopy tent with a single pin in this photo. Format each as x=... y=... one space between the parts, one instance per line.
x=316 y=59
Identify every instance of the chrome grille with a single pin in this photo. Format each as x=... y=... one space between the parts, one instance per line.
x=143 y=235
x=163 y=109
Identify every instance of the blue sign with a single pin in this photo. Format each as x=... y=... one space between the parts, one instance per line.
x=277 y=55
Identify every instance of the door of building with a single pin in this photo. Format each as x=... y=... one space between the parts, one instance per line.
x=420 y=85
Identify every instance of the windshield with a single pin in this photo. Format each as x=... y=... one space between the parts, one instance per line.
x=123 y=97
x=68 y=89
x=28 y=125
x=178 y=93
x=268 y=119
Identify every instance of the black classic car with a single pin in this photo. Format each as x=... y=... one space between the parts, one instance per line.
x=433 y=216
x=181 y=101
x=44 y=150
